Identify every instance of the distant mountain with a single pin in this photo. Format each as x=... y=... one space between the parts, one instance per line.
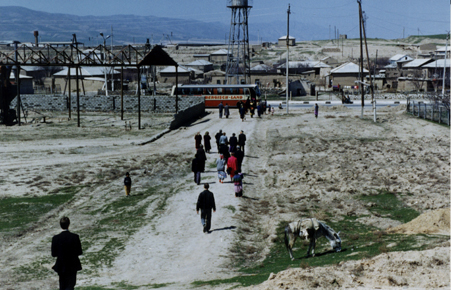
x=18 y=23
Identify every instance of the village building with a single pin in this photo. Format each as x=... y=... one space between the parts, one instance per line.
x=184 y=75
x=413 y=75
x=219 y=56
x=202 y=56
x=282 y=41
x=93 y=79
x=200 y=65
x=347 y=74
x=435 y=74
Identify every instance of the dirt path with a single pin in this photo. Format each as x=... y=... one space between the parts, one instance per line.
x=295 y=166
x=173 y=250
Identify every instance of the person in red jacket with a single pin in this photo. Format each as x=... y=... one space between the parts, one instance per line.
x=231 y=165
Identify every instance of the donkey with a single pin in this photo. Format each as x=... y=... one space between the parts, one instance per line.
x=311 y=229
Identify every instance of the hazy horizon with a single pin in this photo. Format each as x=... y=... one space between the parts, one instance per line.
x=386 y=19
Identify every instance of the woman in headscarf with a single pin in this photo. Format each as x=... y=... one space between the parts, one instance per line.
x=220 y=166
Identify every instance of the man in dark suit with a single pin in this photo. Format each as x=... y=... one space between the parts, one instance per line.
x=66 y=247
x=242 y=140
x=206 y=202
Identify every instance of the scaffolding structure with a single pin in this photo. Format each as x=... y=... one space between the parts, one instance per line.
x=238 y=55
x=73 y=57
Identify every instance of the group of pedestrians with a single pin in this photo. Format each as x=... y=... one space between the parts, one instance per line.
x=228 y=164
x=250 y=106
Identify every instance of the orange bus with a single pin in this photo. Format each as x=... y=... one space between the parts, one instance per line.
x=214 y=94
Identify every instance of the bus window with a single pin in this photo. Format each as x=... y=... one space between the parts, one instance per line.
x=219 y=91
x=215 y=91
x=241 y=91
x=246 y=91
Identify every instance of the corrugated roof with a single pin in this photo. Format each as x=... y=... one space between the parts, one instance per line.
x=443 y=48
x=348 y=67
x=200 y=62
x=87 y=71
x=417 y=63
x=221 y=51
x=400 y=58
x=181 y=69
x=285 y=37
x=304 y=63
x=438 y=63
x=261 y=67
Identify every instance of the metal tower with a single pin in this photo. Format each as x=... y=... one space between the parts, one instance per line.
x=238 y=58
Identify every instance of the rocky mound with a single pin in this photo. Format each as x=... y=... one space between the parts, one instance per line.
x=397 y=270
x=431 y=222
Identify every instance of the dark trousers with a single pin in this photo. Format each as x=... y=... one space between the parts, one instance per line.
x=197 y=177
x=205 y=218
x=67 y=281
x=242 y=148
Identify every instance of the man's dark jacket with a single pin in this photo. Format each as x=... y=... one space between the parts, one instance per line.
x=233 y=141
x=242 y=139
x=206 y=201
x=66 y=247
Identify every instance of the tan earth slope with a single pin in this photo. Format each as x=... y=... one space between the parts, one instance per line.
x=431 y=222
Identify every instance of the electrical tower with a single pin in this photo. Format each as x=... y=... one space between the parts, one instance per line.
x=238 y=57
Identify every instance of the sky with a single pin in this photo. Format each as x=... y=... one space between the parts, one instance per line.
x=385 y=18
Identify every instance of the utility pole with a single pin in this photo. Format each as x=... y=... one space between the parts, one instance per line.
x=373 y=101
x=288 y=52
x=444 y=66
x=361 y=57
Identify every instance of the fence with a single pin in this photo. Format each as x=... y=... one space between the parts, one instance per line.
x=99 y=103
x=431 y=112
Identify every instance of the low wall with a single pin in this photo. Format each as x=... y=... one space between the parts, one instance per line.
x=188 y=115
x=157 y=104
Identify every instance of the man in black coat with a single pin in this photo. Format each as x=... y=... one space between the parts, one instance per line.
x=206 y=202
x=233 y=141
x=217 y=136
x=66 y=247
x=196 y=169
x=221 y=108
x=239 y=158
x=202 y=157
x=242 y=140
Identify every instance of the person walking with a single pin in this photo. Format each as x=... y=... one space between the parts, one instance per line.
x=127 y=184
x=239 y=155
x=220 y=166
x=197 y=140
x=206 y=202
x=242 y=113
x=66 y=247
x=316 y=111
x=238 y=183
x=223 y=140
x=221 y=108
x=242 y=140
x=207 y=143
x=202 y=157
x=217 y=136
x=226 y=111
x=233 y=141
x=231 y=165
x=252 y=109
x=195 y=168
